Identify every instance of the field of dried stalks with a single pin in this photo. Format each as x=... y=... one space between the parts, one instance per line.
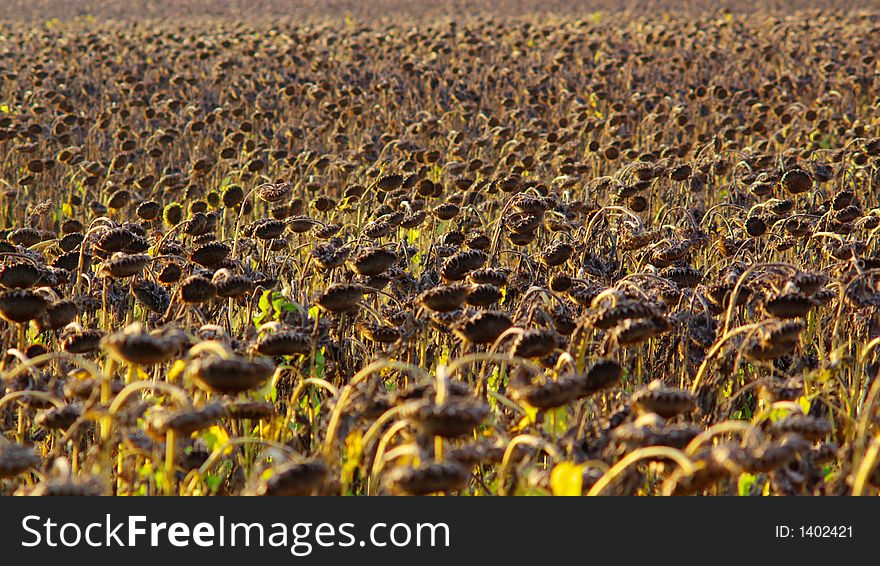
x=418 y=248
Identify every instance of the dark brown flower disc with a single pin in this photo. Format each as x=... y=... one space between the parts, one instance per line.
x=133 y=345
x=662 y=400
x=556 y=254
x=58 y=417
x=148 y=210
x=58 y=315
x=152 y=295
x=284 y=343
x=210 y=254
x=197 y=289
x=602 y=374
x=20 y=306
x=373 y=261
x=114 y=240
x=489 y=276
x=229 y=285
x=551 y=393
x=251 y=410
x=389 y=182
x=273 y=192
x=268 y=229
x=341 y=297
x=788 y=305
x=26 y=237
x=15 y=459
x=450 y=420
x=484 y=327
x=444 y=298
x=292 y=479
x=811 y=428
x=230 y=375
x=299 y=224
x=82 y=342
x=535 y=343
x=380 y=333
x=123 y=265
x=483 y=295
x=170 y=274
x=19 y=276
x=185 y=421
x=429 y=477
x=797 y=181
x=457 y=266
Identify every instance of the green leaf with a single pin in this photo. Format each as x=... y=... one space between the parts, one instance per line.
x=319 y=363
x=265 y=301
x=176 y=370
x=214 y=482
x=804 y=404
x=746 y=484
x=567 y=479
x=281 y=304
